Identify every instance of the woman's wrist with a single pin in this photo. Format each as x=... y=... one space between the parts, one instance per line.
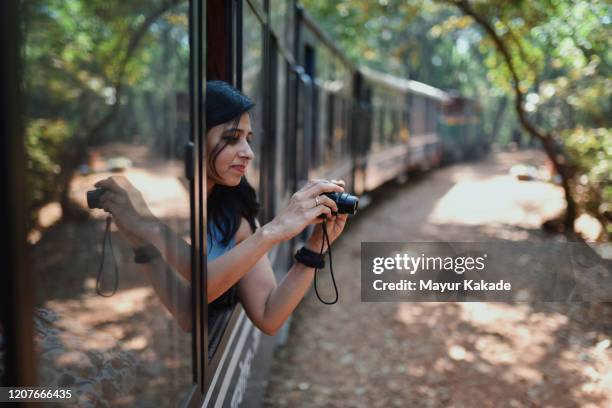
x=269 y=234
x=314 y=245
x=152 y=232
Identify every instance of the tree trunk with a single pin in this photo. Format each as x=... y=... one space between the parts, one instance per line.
x=554 y=151
x=77 y=152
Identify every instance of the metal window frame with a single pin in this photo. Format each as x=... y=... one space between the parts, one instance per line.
x=17 y=299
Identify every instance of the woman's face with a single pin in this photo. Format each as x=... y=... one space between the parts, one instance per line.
x=228 y=151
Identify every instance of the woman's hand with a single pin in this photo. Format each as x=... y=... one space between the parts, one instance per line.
x=304 y=209
x=130 y=212
x=334 y=225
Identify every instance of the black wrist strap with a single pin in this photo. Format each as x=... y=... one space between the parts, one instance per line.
x=317 y=261
x=331 y=267
x=310 y=258
x=145 y=254
x=100 y=277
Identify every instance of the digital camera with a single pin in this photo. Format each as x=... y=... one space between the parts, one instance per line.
x=347 y=204
x=93 y=197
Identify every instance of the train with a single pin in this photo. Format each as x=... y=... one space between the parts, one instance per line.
x=324 y=117
x=317 y=115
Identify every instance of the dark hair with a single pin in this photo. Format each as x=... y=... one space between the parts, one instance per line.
x=227 y=205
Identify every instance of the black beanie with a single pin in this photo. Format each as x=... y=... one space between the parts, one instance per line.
x=224 y=103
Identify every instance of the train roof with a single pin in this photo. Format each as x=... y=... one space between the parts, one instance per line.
x=404 y=85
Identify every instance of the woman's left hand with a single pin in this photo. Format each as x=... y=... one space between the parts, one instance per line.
x=334 y=227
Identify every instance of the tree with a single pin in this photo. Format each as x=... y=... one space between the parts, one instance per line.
x=551 y=57
x=81 y=58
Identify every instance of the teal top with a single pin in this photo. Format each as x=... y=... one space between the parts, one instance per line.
x=220 y=310
x=213 y=243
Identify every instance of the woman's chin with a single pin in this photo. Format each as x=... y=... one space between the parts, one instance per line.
x=234 y=181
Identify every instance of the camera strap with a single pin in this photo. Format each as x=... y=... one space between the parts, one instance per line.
x=331 y=267
x=100 y=277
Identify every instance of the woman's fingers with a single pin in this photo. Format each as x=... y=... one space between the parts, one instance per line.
x=111 y=196
x=318 y=210
x=112 y=184
x=311 y=182
x=323 y=199
x=312 y=202
x=339 y=182
x=108 y=205
x=321 y=187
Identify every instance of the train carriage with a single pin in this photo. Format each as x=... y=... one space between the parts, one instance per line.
x=461 y=129
x=402 y=118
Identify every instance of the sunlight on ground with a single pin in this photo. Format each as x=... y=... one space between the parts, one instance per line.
x=92 y=311
x=521 y=338
x=497 y=199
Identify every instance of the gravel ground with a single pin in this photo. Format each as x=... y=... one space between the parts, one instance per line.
x=356 y=354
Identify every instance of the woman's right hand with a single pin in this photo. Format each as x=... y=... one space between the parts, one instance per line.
x=130 y=212
x=303 y=210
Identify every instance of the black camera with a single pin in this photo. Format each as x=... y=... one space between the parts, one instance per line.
x=93 y=197
x=347 y=204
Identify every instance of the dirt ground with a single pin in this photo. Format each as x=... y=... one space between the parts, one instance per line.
x=356 y=354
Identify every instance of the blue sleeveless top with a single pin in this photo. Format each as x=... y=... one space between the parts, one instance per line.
x=219 y=311
x=213 y=243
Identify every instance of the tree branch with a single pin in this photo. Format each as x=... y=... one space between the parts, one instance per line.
x=553 y=150
x=132 y=47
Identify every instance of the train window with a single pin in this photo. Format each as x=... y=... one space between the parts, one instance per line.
x=320 y=148
x=405 y=125
x=381 y=126
x=430 y=116
x=280 y=110
x=373 y=128
x=342 y=136
x=317 y=94
x=278 y=19
x=340 y=128
x=107 y=96
x=252 y=86
x=386 y=125
x=329 y=128
x=417 y=116
x=259 y=4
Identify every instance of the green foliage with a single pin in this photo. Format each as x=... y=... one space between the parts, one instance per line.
x=44 y=144
x=561 y=51
x=84 y=59
x=591 y=153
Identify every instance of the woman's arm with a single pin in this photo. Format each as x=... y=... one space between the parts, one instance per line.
x=173 y=291
x=223 y=272
x=269 y=305
x=134 y=219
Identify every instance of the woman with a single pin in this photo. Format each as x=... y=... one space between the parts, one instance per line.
x=238 y=268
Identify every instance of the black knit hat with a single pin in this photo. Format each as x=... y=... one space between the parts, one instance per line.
x=224 y=103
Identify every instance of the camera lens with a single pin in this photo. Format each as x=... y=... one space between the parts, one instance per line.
x=93 y=198
x=347 y=204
